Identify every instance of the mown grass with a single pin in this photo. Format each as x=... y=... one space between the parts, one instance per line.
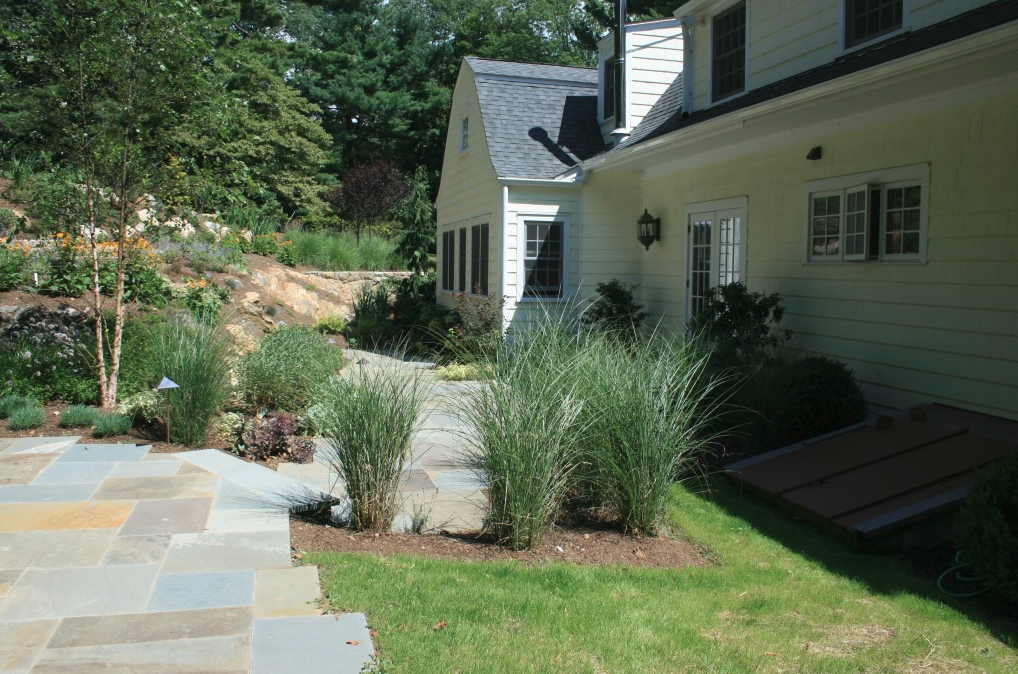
x=782 y=599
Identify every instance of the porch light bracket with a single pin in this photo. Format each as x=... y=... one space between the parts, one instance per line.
x=648 y=229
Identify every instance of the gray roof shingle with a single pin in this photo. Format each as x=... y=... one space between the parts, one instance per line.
x=539 y=120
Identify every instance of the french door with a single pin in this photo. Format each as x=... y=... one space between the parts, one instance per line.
x=717 y=252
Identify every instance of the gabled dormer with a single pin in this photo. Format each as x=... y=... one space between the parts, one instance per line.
x=652 y=60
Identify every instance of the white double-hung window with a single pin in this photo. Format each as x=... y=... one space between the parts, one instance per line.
x=879 y=215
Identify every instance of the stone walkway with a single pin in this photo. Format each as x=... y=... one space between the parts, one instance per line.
x=113 y=559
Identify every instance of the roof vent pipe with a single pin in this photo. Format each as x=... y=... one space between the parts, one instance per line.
x=621 y=118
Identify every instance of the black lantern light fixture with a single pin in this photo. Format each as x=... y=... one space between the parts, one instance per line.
x=648 y=229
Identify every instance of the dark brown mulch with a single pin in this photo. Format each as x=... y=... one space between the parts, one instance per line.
x=582 y=545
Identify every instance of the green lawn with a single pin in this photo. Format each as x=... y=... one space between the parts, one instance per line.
x=806 y=604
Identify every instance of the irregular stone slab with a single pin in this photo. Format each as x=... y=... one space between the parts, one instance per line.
x=59 y=516
x=41 y=445
x=7 y=580
x=118 y=452
x=146 y=627
x=46 y=493
x=287 y=592
x=78 y=591
x=221 y=655
x=188 y=591
x=144 y=488
x=274 y=487
x=168 y=516
x=232 y=496
x=415 y=479
x=146 y=468
x=137 y=550
x=311 y=645
x=227 y=551
x=456 y=480
x=92 y=472
x=54 y=549
x=239 y=519
x=23 y=468
x=23 y=642
x=191 y=469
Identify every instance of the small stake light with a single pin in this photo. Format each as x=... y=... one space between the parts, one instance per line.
x=165 y=385
x=648 y=229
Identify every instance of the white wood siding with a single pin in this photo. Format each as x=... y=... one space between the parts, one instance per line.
x=945 y=330
x=469 y=193
x=787 y=37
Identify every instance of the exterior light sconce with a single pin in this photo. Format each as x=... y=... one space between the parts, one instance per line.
x=815 y=153
x=648 y=229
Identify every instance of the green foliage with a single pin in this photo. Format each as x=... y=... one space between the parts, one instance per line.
x=48 y=357
x=12 y=266
x=367 y=421
x=614 y=311
x=287 y=254
x=78 y=416
x=421 y=323
x=371 y=313
x=334 y=324
x=286 y=367
x=107 y=425
x=241 y=217
x=20 y=170
x=739 y=326
x=198 y=358
x=10 y=222
x=27 y=417
x=785 y=400
x=986 y=530
x=479 y=332
x=329 y=251
x=416 y=217
x=264 y=244
x=204 y=299
x=11 y=403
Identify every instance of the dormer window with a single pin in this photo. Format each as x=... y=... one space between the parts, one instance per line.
x=464 y=134
x=866 y=20
x=728 y=52
x=608 y=98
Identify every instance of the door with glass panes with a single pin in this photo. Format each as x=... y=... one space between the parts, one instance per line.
x=716 y=248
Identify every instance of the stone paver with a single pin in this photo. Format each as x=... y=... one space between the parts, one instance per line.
x=322 y=644
x=187 y=591
x=286 y=592
x=168 y=516
x=54 y=549
x=79 y=591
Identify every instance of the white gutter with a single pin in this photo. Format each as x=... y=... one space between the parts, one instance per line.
x=687 y=23
x=503 y=273
x=998 y=39
x=542 y=182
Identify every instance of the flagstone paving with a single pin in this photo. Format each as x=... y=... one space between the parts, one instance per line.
x=116 y=560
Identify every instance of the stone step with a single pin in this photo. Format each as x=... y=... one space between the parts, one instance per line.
x=322 y=644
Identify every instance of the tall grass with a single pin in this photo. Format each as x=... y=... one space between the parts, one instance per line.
x=367 y=421
x=525 y=424
x=331 y=251
x=197 y=358
x=648 y=410
x=288 y=364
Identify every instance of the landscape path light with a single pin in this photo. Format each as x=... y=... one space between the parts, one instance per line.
x=165 y=385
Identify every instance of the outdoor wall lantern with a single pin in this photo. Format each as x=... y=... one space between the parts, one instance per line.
x=648 y=229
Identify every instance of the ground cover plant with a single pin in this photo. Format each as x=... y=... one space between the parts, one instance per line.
x=27 y=417
x=111 y=424
x=11 y=403
x=777 y=596
x=78 y=416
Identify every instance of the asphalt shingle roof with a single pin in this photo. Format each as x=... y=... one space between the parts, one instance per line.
x=666 y=115
x=539 y=120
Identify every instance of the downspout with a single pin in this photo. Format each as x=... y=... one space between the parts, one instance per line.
x=687 y=22
x=504 y=271
x=621 y=116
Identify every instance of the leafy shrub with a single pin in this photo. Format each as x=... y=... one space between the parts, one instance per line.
x=986 y=530
x=198 y=358
x=288 y=364
x=78 y=416
x=371 y=312
x=479 y=332
x=10 y=222
x=204 y=299
x=525 y=422
x=334 y=324
x=247 y=217
x=107 y=425
x=20 y=169
x=27 y=417
x=269 y=435
x=12 y=266
x=70 y=272
x=419 y=321
x=218 y=256
x=615 y=311
x=264 y=244
x=368 y=421
x=143 y=407
x=11 y=403
x=48 y=356
x=287 y=254
x=738 y=326
x=789 y=399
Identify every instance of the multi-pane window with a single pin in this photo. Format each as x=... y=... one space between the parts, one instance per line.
x=448 y=258
x=463 y=260
x=479 y=259
x=543 y=259
x=728 y=58
x=608 y=77
x=876 y=220
x=869 y=19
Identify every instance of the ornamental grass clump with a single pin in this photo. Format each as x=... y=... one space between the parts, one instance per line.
x=367 y=420
x=12 y=403
x=197 y=358
x=27 y=417
x=107 y=425
x=647 y=419
x=288 y=364
x=78 y=416
x=524 y=424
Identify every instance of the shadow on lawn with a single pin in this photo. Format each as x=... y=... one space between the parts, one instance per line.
x=882 y=573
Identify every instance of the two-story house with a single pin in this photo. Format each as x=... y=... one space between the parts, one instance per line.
x=860 y=157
